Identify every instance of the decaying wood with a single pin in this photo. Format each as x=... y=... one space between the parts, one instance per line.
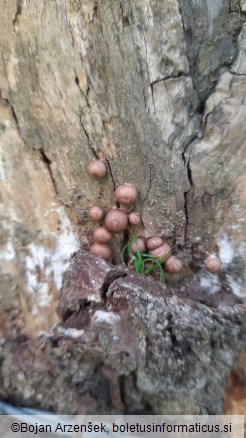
x=128 y=344
x=157 y=89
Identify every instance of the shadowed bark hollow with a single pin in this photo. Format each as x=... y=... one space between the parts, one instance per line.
x=157 y=89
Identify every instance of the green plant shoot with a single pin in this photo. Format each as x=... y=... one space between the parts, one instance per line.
x=143 y=263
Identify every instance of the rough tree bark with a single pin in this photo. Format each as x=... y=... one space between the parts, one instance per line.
x=157 y=88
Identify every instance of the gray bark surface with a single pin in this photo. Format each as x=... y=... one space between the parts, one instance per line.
x=128 y=344
x=158 y=89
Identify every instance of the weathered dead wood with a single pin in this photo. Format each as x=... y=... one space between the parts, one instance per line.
x=157 y=89
x=127 y=343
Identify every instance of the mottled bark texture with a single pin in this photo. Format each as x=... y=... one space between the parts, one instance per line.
x=158 y=89
x=127 y=343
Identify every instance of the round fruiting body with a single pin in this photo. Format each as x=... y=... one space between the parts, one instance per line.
x=116 y=220
x=126 y=194
x=173 y=264
x=212 y=263
x=97 y=169
x=95 y=213
x=101 y=250
x=134 y=218
x=139 y=245
x=154 y=242
x=161 y=252
x=102 y=235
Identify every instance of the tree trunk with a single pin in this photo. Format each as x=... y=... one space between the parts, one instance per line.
x=157 y=89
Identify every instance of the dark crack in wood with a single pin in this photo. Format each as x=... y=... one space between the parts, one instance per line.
x=48 y=163
x=17 y=123
x=111 y=177
x=88 y=138
x=186 y=195
x=18 y=12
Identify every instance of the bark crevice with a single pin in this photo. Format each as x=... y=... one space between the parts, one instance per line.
x=168 y=77
x=111 y=177
x=88 y=138
x=18 y=12
x=48 y=164
x=19 y=130
x=187 y=200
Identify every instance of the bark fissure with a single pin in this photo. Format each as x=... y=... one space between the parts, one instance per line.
x=95 y=11
x=186 y=196
x=81 y=116
x=152 y=95
x=17 y=123
x=88 y=138
x=47 y=162
x=77 y=82
x=166 y=78
x=114 y=274
x=238 y=74
x=18 y=12
x=111 y=177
